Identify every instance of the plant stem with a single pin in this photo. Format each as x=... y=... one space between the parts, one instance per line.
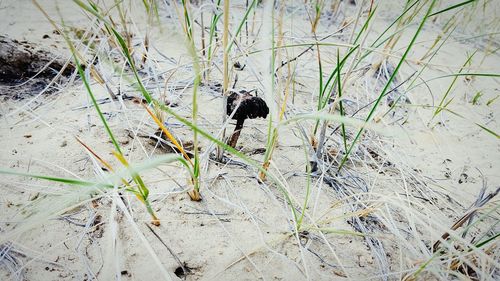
x=225 y=83
x=236 y=133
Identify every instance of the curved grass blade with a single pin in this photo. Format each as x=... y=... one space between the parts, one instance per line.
x=56 y=179
x=489 y=131
x=452 y=7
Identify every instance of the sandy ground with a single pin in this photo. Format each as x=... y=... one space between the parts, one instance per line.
x=408 y=182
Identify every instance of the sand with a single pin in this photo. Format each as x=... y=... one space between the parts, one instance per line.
x=408 y=180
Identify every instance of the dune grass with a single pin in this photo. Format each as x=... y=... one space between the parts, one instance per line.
x=330 y=163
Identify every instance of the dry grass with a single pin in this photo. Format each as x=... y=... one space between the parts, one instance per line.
x=354 y=175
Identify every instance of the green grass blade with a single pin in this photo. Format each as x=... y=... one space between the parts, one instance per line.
x=187 y=21
x=242 y=22
x=365 y=26
x=492 y=238
x=324 y=101
x=344 y=138
x=491 y=101
x=440 y=106
x=393 y=23
x=56 y=179
x=489 y=131
x=452 y=7
x=213 y=27
x=108 y=181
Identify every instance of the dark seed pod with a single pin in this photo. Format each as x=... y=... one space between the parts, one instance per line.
x=238 y=66
x=250 y=108
x=247 y=107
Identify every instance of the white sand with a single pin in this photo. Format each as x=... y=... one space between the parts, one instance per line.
x=243 y=230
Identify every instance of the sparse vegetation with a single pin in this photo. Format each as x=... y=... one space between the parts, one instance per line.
x=375 y=155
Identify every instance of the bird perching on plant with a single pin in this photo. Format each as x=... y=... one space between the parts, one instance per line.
x=242 y=106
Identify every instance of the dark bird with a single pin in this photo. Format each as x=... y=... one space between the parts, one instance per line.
x=244 y=106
